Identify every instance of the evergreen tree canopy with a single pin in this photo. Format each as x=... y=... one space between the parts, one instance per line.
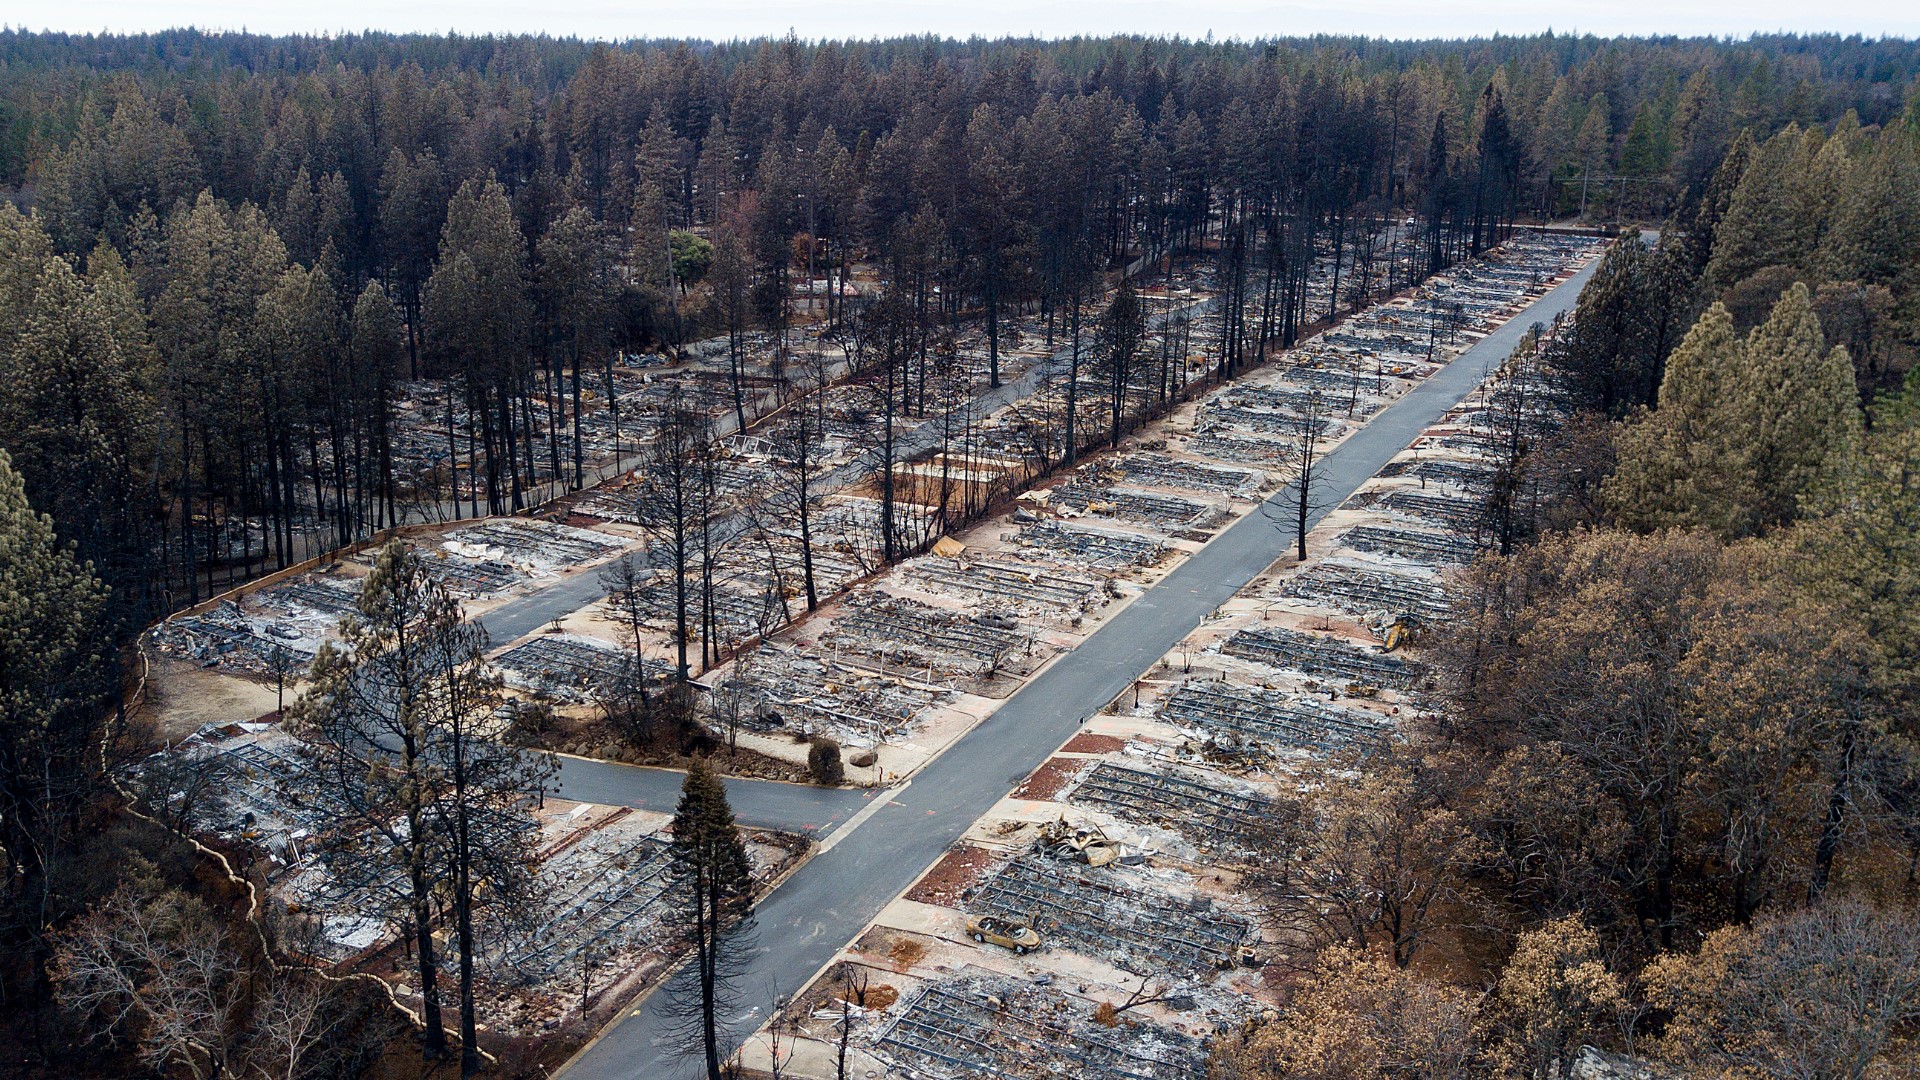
x=1688 y=463
x=1747 y=430
x=56 y=684
x=1798 y=401
x=708 y=853
x=711 y=896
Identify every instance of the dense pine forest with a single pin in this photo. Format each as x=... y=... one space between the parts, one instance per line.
x=262 y=298
x=267 y=224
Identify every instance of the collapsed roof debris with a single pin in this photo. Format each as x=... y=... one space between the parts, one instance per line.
x=1008 y=1028
x=1414 y=545
x=1239 y=715
x=915 y=635
x=1111 y=914
x=569 y=668
x=1313 y=654
x=1086 y=546
x=1210 y=815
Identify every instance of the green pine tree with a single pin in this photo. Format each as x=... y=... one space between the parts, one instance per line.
x=712 y=895
x=1647 y=149
x=1800 y=405
x=478 y=310
x=1746 y=432
x=1817 y=193
x=1865 y=537
x=1687 y=463
x=376 y=351
x=1764 y=224
x=77 y=407
x=375 y=713
x=56 y=685
x=1697 y=239
x=1876 y=226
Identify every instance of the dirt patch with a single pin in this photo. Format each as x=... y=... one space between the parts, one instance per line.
x=1089 y=743
x=907 y=951
x=830 y=991
x=954 y=874
x=183 y=697
x=1048 y=780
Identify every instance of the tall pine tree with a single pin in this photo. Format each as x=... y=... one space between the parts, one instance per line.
x=1800 y=406
x=1687 y=463
x=1746 y=430
x=56 y=683
x=712 y=895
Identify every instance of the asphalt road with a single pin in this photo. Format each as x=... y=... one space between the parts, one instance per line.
x=804 y=922
x=764 y=804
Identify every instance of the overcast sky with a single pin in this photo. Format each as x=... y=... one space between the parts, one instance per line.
x=724 y=19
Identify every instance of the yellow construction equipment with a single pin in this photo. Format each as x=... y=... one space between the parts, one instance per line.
x=1398 y=634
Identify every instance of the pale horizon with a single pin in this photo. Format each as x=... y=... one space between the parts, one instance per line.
x=744 y=19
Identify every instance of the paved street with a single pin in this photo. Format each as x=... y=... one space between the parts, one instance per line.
x=761 y=803
x=833 y=897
